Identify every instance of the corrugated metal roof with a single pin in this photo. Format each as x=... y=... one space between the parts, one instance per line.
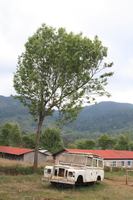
x=43 y=150
x=14 y=150
x=106 y=154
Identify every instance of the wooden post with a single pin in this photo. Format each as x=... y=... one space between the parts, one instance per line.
x=126 y=176
x=111 y=165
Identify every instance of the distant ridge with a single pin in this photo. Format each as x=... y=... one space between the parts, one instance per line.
x=105 y=117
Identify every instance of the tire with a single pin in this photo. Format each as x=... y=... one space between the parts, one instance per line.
x=79 y=181
x=98 y=178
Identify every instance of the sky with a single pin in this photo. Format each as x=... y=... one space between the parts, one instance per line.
x=110 y=20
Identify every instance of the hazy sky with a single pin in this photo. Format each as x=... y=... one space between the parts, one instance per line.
x=111 y=20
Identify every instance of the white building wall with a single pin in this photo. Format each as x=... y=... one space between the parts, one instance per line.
x=29 y=157
x=118 y=163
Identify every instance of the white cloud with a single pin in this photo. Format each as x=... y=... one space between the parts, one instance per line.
x=111 y=20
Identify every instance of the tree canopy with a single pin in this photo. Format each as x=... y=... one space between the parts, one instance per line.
x=124 y=142
x=51 y=139
x=106 y=142
x=10 y=135
x=60 y=70
x=85 y=144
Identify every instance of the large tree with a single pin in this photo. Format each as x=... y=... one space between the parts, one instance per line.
x=59 y=70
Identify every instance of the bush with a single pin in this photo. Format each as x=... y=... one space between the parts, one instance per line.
x=113 y=169
x=16 y=170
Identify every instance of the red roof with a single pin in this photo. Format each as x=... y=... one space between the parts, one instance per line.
x=14 y=150
x=106 y=154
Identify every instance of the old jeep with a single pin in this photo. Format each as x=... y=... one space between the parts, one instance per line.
x=75 y=169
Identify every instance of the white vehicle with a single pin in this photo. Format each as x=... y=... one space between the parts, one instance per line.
x=75 y=169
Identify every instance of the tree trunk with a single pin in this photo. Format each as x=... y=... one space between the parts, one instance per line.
x=37 y=144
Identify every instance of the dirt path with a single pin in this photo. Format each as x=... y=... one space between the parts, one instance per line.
x=117 y=183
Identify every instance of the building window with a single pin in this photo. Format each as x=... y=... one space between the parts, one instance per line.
x=108 y=163
x=122 y=163
x=129 y=163
x=114 y=163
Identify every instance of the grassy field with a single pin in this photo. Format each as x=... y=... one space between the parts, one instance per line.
x=5 y=162
x=31 y=187
x=119 y=176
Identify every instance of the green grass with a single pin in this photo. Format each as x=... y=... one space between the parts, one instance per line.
x=119 y=176
x=29 y=187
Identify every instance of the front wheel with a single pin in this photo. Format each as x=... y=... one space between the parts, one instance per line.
x=79 y=181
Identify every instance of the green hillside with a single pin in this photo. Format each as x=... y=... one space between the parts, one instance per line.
x=106 y=117
x=13 y=111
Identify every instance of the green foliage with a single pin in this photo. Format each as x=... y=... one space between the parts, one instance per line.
x=16 y=170
x=66 y=141
x=106 y=142
x=10 y=107
x=124 y=142
x=106 y=117
x=119 y=170
x=72 y=146
x=10 y=135
x=28 y=141
x=15 y=138
x=58 y=69
x=85 y=144
x=51 y=139
x=131 y=145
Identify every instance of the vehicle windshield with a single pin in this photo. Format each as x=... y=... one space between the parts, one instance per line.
x=72 y=159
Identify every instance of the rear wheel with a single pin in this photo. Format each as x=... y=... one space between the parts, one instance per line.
x=99 y=178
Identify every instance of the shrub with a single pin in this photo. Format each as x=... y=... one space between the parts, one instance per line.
x=16 y=170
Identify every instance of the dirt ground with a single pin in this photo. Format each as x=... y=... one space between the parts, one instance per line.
x=49 y=199
x=119 y=183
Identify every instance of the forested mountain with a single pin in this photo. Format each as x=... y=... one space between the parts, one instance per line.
x=13 y=111
x=106 y=117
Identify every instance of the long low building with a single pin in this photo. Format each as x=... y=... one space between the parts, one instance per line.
x=23 y=154
x=115 y=158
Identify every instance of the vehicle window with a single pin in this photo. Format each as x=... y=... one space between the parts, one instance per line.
x=100 y=163
x=55 y=173
x=61 y=172
x=89 y=162
x=79 y=159
x=68 y=158
x=94 y=162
